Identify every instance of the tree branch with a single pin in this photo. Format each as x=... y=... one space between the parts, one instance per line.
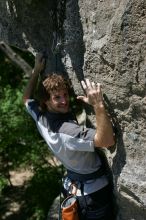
x=15 y=58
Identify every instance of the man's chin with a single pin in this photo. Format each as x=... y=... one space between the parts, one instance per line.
x=64 y=110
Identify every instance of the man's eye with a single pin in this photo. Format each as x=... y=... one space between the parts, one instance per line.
x=57 y=97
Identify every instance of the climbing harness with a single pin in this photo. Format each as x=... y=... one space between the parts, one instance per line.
x=79 y=180
x=84 y=177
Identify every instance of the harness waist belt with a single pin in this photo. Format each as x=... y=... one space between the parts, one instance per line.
x=84 y=177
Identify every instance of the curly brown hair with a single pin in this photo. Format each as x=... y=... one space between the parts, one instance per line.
x=55 y=82
x=52 y=82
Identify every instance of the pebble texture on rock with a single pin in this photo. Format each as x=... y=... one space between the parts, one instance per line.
x=104 y=40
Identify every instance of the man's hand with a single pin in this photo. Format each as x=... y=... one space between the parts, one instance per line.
x=39 y=63
x=93 y=93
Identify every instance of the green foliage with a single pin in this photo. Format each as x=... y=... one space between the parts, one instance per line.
x=21 y=144
x=9 y=74
x=41 y=191
x=3 y=183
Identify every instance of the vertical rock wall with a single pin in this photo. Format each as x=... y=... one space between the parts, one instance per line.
x=117 y=57
x=104 y=40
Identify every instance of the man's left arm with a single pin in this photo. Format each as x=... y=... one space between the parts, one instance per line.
x=104 y=136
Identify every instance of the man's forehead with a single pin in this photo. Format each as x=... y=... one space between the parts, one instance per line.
x=58 y=91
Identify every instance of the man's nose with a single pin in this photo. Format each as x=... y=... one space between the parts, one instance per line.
x=63 y=100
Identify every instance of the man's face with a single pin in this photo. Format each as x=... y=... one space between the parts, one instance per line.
x=59 y=101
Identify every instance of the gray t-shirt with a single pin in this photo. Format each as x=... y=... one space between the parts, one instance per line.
x=71 y=143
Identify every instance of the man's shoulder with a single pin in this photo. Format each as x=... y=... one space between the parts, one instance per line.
x=31 y=102
x=33 y=109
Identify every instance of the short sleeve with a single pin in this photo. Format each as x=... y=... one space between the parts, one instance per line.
x=77 y=137
x=33 y=108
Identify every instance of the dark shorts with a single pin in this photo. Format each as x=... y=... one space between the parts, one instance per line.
x=97 y=205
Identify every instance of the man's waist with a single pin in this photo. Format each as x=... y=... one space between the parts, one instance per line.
x=89 y=186
x=84 y=177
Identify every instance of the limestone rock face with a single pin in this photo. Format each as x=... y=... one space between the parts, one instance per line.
x=104 y=40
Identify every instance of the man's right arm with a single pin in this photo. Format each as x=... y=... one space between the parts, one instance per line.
x=30 y=88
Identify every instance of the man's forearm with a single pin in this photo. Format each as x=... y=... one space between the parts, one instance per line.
x=104 y=133
x=104 y=136
x=30 y=88
x=39 y=66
